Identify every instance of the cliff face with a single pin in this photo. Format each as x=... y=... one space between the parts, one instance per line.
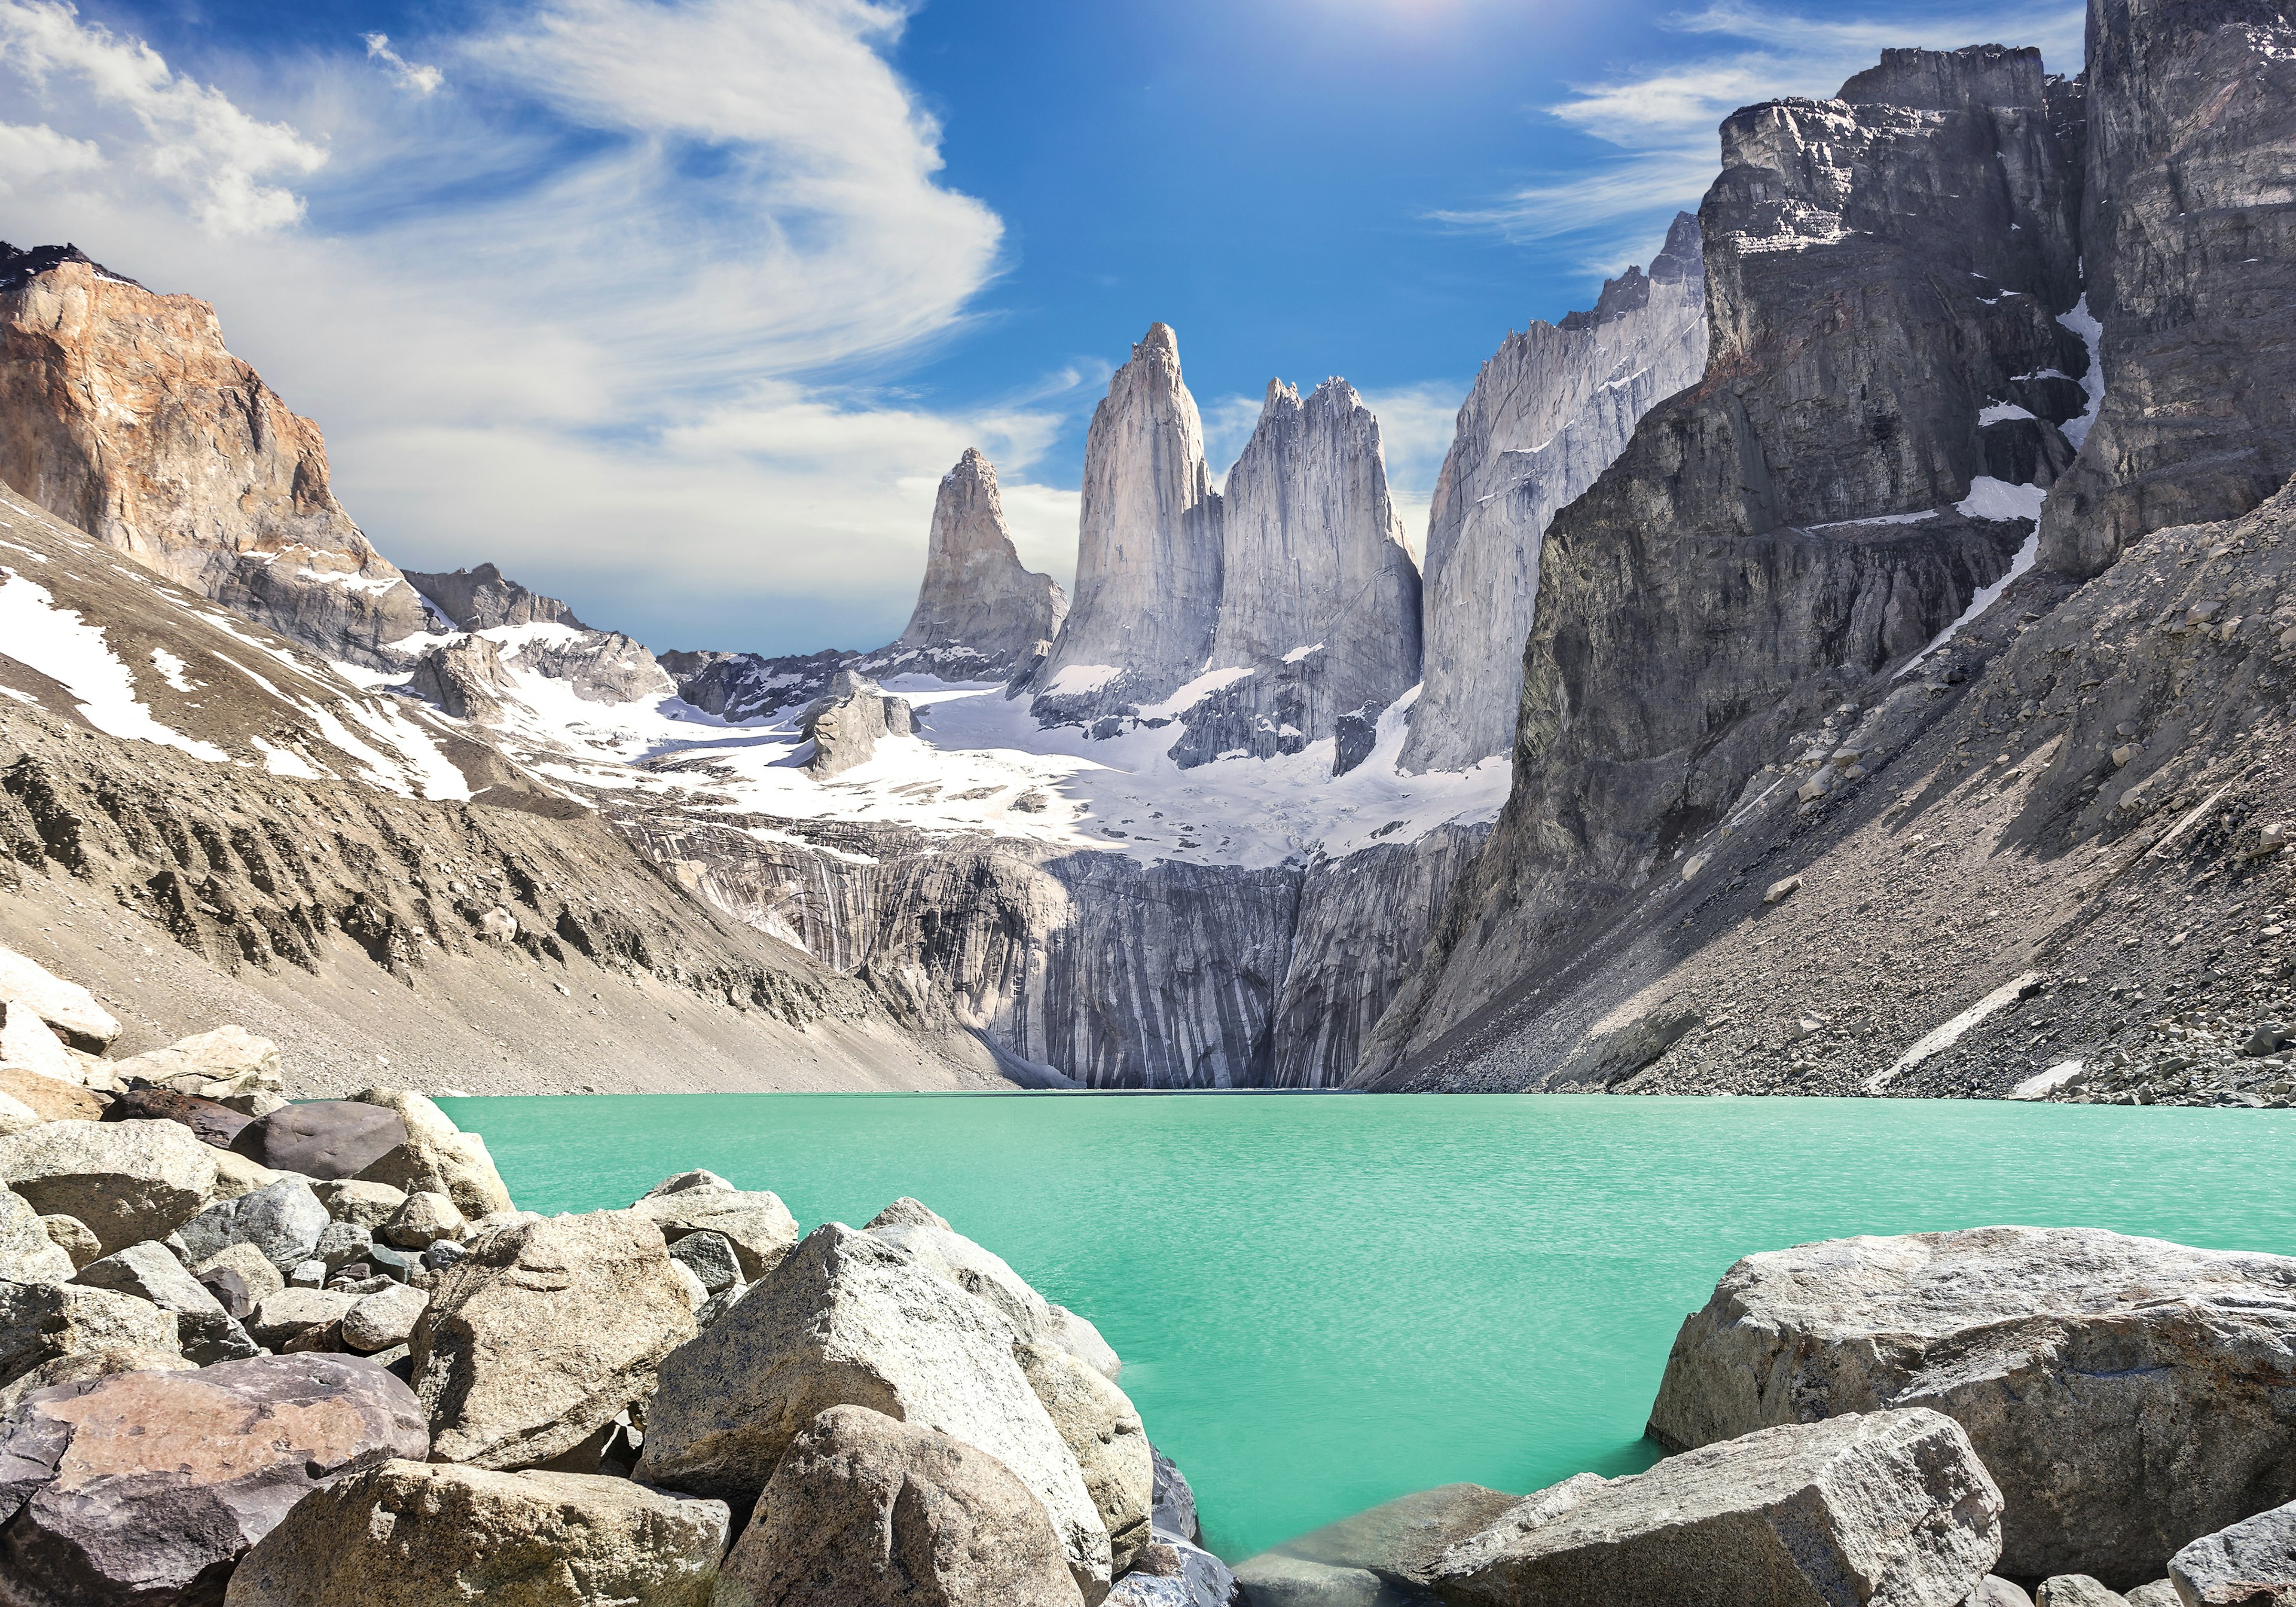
x=1550 y=411
x=979 y=615
x=1319 y=598
x=1148 y=548
x=122 y=414
x=2190 y=231
x=1801 y=518
x=485 y=599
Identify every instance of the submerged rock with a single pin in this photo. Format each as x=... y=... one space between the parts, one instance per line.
x=2123 y=1392
x=1397 y=1544
x=866 y=1511
x=1173 y=1573
x=1890 y=1507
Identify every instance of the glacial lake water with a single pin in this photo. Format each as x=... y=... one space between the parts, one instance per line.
x=1324 y=1303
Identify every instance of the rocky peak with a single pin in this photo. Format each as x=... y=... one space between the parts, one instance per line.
x=846 y=723
x=1950 y=80
x=980 y=615
x=484 y=598
x=1319 y=597
x=1548 y=413
x=122 y=413
x=1148 y=548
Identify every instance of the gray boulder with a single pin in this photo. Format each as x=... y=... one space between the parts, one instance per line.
x=709 y=1257
x=204 y=1329
x=296 y=1316
x=543 y=1333
x=2122 y=1392
x=436 y=1157
x=146 y=1488
x=426 y=1218
x=1173 y=1573
x=39 y=1322
x=1103 y=1433
x=847 y=1319
x=340 y=1243
x=367 y=1205
x=383 y=1318
x=2159 y=1592
x=1995 y=1591
x=1397 y=1544
x=329 y=1139
x=1172 y=1514
x=2077 y=1590
x=284 y=1221
x=28 y=1252
x=229 y=1066
x=72 y=1236
x=127 y=1180
x=2251 y=1564
x=1275 y=1579
x=406 y=1534
x=1891 y=1507
x=865 y=1511
x=754 y=1221
x=953 y=1258
x=70 y=1010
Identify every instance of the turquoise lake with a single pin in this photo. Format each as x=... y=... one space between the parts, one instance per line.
x=1326 y=1301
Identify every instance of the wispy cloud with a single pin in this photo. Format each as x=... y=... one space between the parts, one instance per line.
x=410 y=75
x=1659 y=122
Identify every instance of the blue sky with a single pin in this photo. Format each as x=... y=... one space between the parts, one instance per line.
x=680 y=309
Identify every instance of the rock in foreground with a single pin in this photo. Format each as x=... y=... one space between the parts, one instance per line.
x=1890 y=1508
x=145 y=1487
x=2251 y=1564
x=127 y=1180
x=867 y=1512
x=410 y=1535
x=2121 y=1392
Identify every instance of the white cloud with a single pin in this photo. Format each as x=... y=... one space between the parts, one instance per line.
x=409 y=75
x=29 y=153
x=1662 y=119
x=189 y=136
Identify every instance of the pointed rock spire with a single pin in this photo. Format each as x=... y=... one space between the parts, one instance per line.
x=978 y=600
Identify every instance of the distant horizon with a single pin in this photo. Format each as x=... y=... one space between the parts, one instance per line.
x=678 y=312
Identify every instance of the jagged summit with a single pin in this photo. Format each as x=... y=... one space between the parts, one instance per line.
x=1677 y=260
x=18 y=265
x=1950 y=80
x=978 y=603
x=484 y=599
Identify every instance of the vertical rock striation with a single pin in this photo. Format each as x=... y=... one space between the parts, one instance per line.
x=1877 y=275
x=122 y=413
x=2189 y=227
x=979 y=615
x=1319 y=598
x=1148 y=548
x=1551 y=409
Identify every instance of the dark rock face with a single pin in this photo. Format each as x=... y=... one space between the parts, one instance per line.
x=483 y=598
x=1792 y=517
x=2189 y=228
x=146 y=1488
x=328 y=1139
x=282 y=1220
x=979 y=615
x=211 y=1122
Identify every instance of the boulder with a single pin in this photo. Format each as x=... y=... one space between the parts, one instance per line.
x=1173 y=1573
x=2159 y=1592
x=370 y=1205
x=1273 y=1579
x=754 y=1221
x=41 y=1321
x=866 y=1511
x=146 y=1488
x=406 y=1534
x=70 y=1010
x=953 y=1258
x=383 y=1318
x=205 y=1330
x=848 y=1319
x=709 y=1257
x=1173 y=1514
x=324 y=1138
x=17 y=1116
x=2076 y=1590
x=1103 y=1433
x=27 y=1044
x=2251 y=1564
x=543 y=1333
x=1994 y=1591
x=49 y=1098
x=2124 y=1393
x=72 y=1236
x=102 y=1362
x=229 y=1065
x=340 y=1243
x=28 y=1252
x=251 y=1270
x=291 y=1314
x=436 y=1156
x=128 y=1182
x=236 y=1176
x=1890 y=1507
x=210 y=1123
x=426 y=1218
x=282 y=1220
x=1398 y=1543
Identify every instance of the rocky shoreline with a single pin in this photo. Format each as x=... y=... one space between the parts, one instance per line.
x=257 y=1354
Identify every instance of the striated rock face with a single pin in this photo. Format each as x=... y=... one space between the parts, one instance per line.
x=465 y=678
x=846 y=722
x=2189 y=229
x=1551 y=410
x=122 y=413
x=484 y=598
x=1319 y=598
x=1148 y=549
x=1760 y=538
x=979 y=614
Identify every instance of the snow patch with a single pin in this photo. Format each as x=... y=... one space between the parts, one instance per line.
x=2000 y=412
x=2041 y=1083
x=1986 y=596
x=171 y=669
x=1991 y=498
x=1939 y=1039
x=286 y=761
x=66 y=649
x=1297 y=654
x=2084 y=323
x=1194 y=693
x=1843 y=524
x=1077 y=679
